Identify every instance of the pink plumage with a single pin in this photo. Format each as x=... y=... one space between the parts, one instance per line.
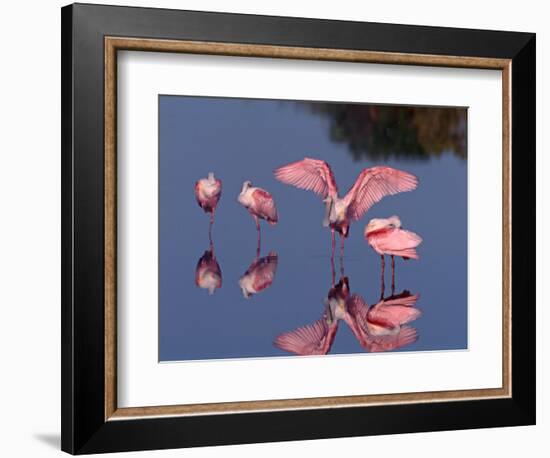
x=371 y=186
x=263 y=206
x=406 y=336
x=310 y=174
x=375 y=183
x=312 y=339
x=208 y=192
x=259 y=275
x=208 y=274
x=382 y=327
x=258 y=202
x=386 y=236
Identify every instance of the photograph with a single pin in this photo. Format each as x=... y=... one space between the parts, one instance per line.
x=292 y=228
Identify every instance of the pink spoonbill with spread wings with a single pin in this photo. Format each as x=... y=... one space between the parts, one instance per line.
x=208 y=192
x=386 y=236
x=260 y=205
x=371 y=186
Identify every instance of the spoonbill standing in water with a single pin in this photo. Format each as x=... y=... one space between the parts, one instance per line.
x=208 y=192
x=260 y=205
x=386 y=236
x=371 y=186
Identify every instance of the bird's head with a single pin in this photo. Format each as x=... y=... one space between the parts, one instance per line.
x=247 y=184
x=377 y=224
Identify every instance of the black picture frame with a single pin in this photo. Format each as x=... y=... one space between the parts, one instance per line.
x=84 y=428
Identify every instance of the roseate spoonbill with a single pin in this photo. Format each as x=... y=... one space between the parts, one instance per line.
x=371 y=186
x=259 y=275
x=208 y=192
x=208 y=274
x=382 y=327
x=260 y=205
x=386 y=236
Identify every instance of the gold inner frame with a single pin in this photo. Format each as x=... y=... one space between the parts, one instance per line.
x=114 y=44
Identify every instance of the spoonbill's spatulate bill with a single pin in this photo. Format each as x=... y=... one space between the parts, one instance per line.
x=371 y=186
x=386 y=236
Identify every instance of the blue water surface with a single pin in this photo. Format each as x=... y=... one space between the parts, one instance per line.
x=240 y=139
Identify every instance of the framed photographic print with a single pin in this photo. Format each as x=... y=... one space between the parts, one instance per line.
x=281 y=228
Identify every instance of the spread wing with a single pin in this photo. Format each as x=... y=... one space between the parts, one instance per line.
x=406 y=336
x=375 y=183
x=312 y=339
x=356 y=317
x=310 y=174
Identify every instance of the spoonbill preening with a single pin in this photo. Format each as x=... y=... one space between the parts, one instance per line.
x=371 y=186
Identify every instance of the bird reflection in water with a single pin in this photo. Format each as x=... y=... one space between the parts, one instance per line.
x=208 y=274
x=260 y=275
x=381 y=327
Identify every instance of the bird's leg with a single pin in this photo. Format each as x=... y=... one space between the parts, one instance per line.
x=382 y=272
x=259 y=236
x=210 y=228
x=333 y=271
x=341 y=255
x=392 y=274
x=332 y=268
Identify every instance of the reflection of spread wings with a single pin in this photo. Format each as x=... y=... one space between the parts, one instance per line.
x=375 y=183
x=310 y=174
x=406 y=336
x=356 y=317
x=312 y=339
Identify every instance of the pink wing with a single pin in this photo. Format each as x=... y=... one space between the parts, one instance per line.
x=392 y=316
x=264 y=206
x=405 y=298
x=310 y=174
x=198 y=193
x=374 y=184
x=406 y=336
x=398 y=242
x=356 y=317
x=264 y=271
x=311 y=339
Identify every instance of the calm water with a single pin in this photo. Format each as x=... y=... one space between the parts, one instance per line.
x=242 y=140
